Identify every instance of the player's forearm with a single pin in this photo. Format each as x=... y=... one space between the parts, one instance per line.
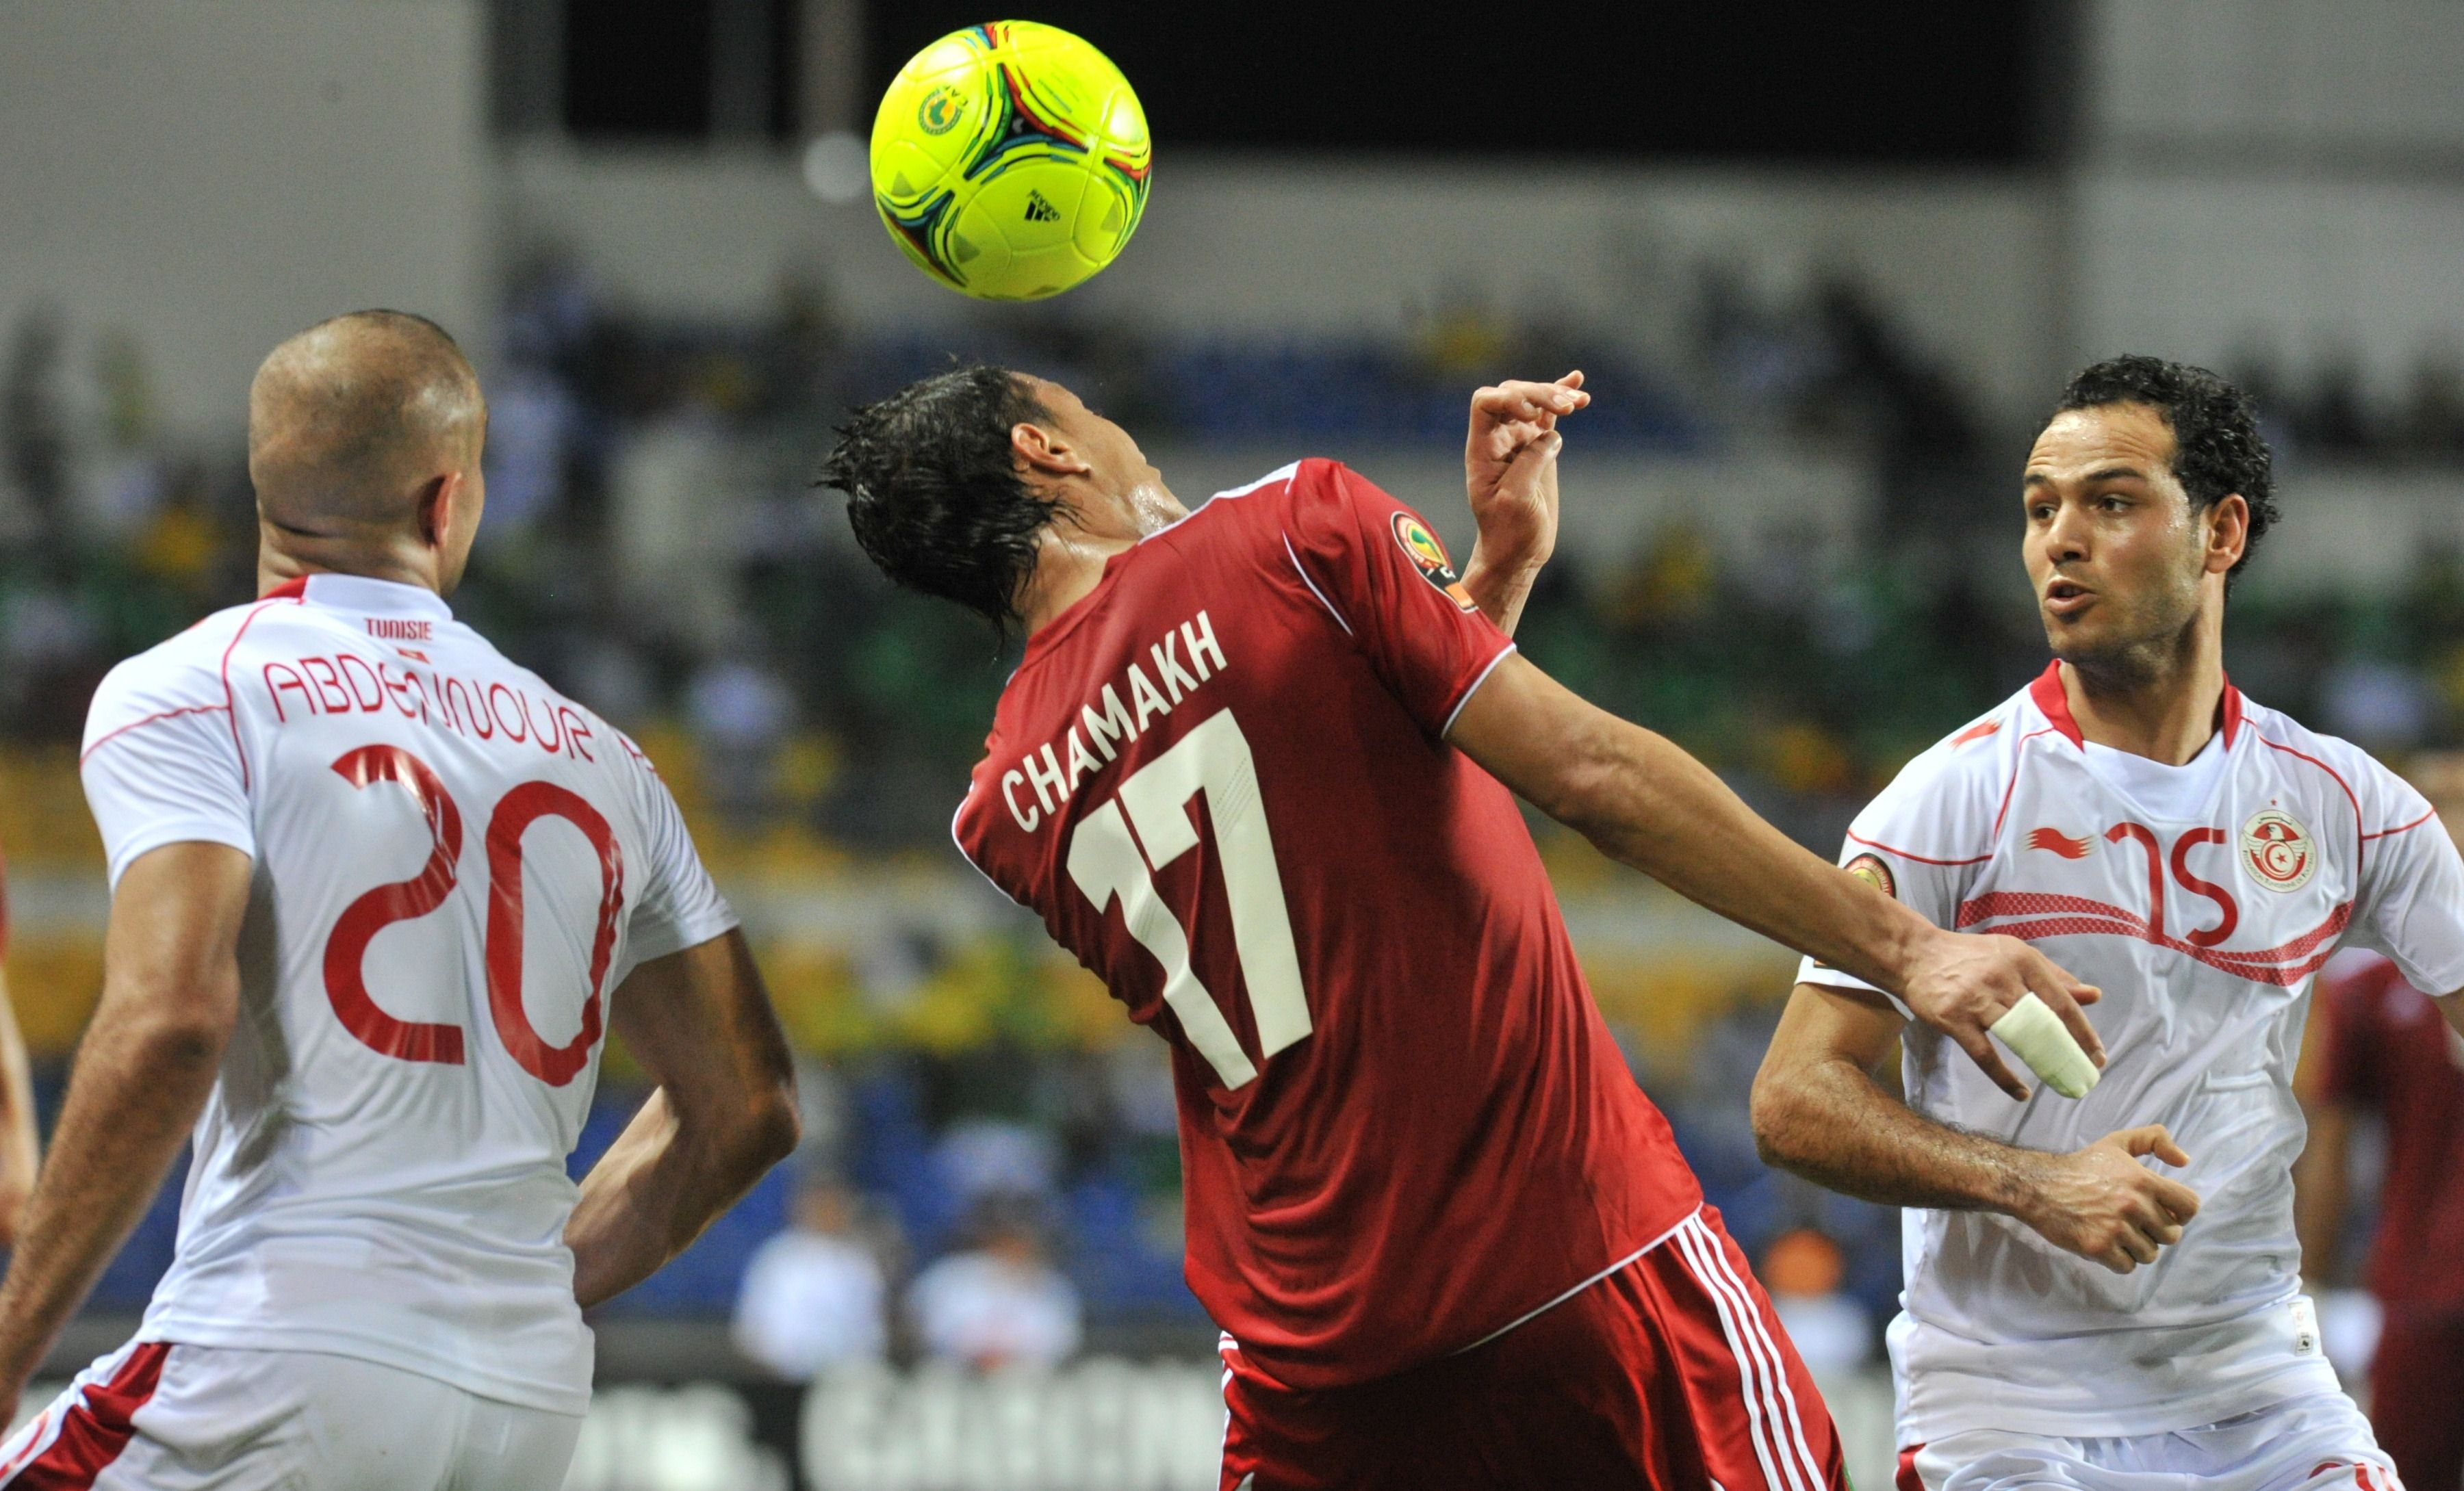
x=1829 y=1121
x=663 y=1182
x=1498 y=588
x=1646 y=802
x=21 y=1147
x=142 y=1076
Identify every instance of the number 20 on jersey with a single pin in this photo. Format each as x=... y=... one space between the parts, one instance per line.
x=439 y=1040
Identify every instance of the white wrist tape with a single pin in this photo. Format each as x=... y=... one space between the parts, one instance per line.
x=2037 y=1037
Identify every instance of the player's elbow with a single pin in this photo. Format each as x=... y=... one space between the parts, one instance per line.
x=768 y=1128
x=1782 y=1112
x=178 y=1028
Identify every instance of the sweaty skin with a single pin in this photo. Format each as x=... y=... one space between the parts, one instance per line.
x=1638 y=796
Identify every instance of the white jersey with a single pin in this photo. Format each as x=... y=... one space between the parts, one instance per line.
x=2202 y=899
x=454 y=865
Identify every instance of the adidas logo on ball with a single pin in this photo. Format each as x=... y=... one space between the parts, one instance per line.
x=1038 y=211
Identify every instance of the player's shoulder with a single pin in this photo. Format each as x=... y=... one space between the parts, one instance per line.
x=2337 y=767
x=1262 y=503
x=1941 y=804
x=2282 y=737
x=184 y=671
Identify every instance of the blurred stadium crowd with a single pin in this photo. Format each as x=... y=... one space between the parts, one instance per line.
x=991 y=1169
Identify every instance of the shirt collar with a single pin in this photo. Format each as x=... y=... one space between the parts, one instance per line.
x=2053 y=702
x=369 y=597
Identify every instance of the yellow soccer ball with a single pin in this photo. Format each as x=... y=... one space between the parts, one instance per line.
x=1010 y=160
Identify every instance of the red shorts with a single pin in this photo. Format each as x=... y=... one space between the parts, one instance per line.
x=1670 y=1373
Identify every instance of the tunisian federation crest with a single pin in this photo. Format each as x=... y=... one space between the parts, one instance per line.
x=2277 y=851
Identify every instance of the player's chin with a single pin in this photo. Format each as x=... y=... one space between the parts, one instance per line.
x=2073 y=633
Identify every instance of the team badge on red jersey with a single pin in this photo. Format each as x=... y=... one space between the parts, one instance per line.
x=2279 y=850
x=1429 y=557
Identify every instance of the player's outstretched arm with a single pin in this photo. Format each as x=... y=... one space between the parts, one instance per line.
x=724 y=1112
x=170 y=995
x=1647 y=803
x=1817 y=1111
x=20 y=1148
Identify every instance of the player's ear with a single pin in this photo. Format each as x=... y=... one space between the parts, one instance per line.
x=1043 y=449
x=2228 y=532
x=438 y=500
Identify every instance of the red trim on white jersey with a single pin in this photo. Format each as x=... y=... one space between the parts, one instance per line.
x=2054 y=700
x=2018 y=761
x=2055 y=703
x=1876 y=844
x=1907 y=1479
x=2362 y=837
x=297 y=593
x=2402 y=828
x=153 y=719
x=2051 y=914
x=93 y=1429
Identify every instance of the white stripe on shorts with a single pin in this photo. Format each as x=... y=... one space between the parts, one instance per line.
x=1749 y=1374
x=1778 y=1363
x=1769 y=1405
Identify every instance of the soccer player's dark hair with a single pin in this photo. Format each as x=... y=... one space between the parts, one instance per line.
x=2217 y=447
x=935 y=493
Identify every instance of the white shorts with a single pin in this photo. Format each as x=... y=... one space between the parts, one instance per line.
x=2314 y=1442
x=153 y=1417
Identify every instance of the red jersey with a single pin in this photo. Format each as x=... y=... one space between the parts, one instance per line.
x=1222 y=780
x=2385 y=1047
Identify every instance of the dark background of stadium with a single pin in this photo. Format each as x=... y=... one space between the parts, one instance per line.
x=1904 y=83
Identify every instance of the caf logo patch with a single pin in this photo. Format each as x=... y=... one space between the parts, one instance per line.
x=1875 y=873
x=942 y=110
x=1429 y=557
x=2278 y=852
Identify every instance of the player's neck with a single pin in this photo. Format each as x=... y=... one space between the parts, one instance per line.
x=2164 y=705
x=1067 y=567
x=1074 y=548
x=277 y=564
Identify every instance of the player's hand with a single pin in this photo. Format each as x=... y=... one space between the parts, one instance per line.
x=2102 y=1204
x=1510 y=469
x=1961 y=985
